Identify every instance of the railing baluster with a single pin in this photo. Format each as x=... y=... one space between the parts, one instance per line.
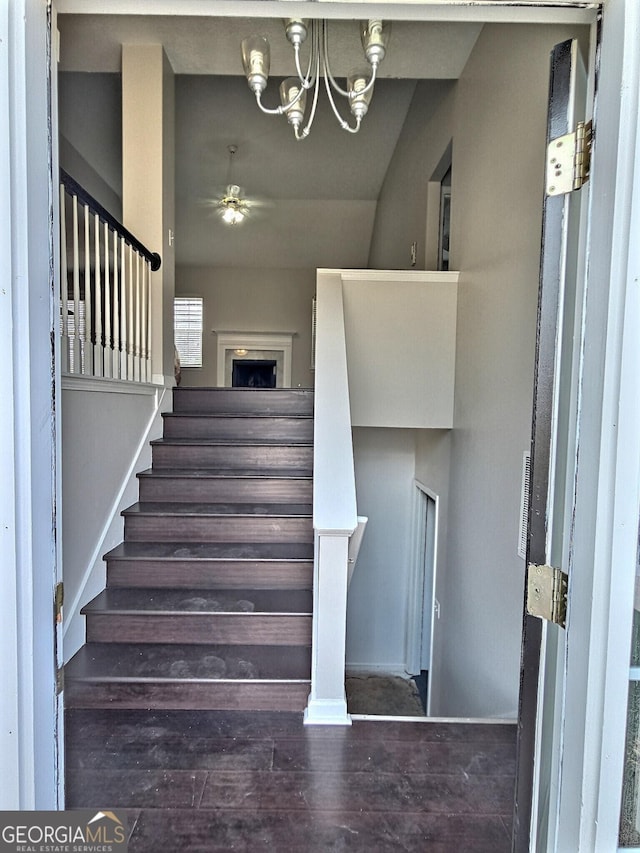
x=116 y=312
x=130 y=352
x=77 y=328
x=87 y=355
x=124 y=374
x=148 y=265
x=108 y=352
x=98 y=359
x=136 y=373
x=143 y=321
x=64 y=285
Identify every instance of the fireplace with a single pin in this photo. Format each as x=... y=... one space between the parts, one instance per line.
x=253 y=373
x=272 y=349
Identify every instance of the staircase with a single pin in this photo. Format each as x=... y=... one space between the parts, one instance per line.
x=208 y=602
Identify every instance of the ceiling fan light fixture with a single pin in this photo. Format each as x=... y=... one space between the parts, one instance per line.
x=232 y=207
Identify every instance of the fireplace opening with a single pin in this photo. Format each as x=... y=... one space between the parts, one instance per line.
x=253 y=373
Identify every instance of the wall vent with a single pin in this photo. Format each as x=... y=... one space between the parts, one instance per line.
x=524 y=505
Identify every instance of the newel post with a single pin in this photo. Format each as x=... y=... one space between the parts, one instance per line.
x=327 y=701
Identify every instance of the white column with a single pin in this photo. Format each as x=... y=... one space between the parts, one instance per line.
x=147 y=182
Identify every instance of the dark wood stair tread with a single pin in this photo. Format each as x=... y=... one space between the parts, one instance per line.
x=200 y=510
x=223 y=551
x=227 y=473
x=155 y=661
x=196 y=602
x=230 y=442
x=244 y=414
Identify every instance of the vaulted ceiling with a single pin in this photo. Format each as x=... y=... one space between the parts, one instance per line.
x=316 y=198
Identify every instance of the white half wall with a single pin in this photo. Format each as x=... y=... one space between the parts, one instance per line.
x=400 y=329
x=251 y=300
x=105 y=442
x=377 y=601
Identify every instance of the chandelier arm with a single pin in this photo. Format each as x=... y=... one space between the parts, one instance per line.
x=326 y=68
x=282 y=109
x=270 y=112
x=312 y=112
x=305 y=79
x=370 y=84
x=341 y=121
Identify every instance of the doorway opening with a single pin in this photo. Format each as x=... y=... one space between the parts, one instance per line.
x=422 y=604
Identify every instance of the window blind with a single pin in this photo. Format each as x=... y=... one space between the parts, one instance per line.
x=188 y=325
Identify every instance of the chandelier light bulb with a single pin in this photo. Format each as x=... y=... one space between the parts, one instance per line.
x=256 y=60
x=375 y=39
x=293 y=98
x=359 y=94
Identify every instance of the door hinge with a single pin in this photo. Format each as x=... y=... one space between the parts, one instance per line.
x=58 y=603
x=547 y=593
x=569 y=160
x=59 y=680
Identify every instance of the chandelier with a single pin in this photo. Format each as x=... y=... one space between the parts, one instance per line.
x=293 y=90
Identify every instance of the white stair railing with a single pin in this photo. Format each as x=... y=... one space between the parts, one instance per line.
x=105 y=298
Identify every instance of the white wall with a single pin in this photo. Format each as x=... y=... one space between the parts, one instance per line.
x=498 y=106
x=377 y=600
x=251 y=300
x=90 y=116
x=402 y=206
x=400 y=330
x=496 y=243
x=105 y=441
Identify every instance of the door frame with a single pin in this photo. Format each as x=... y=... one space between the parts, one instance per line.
x=608 y=403
x=607 y=475
x=418 y=593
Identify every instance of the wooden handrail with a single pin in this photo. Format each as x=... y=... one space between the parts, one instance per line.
x=74 y=188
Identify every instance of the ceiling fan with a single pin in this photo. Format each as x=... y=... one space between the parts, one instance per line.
x=232 y=205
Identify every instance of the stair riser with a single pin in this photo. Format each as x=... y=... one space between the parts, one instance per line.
x=197 y=697
x=227 y=400
x=226 y=490
x=218 y=529
x=227 y=628
x=230 y=457
x=280 y=429
x=199 y=574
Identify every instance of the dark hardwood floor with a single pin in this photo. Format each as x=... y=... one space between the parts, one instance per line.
x=261 y=781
